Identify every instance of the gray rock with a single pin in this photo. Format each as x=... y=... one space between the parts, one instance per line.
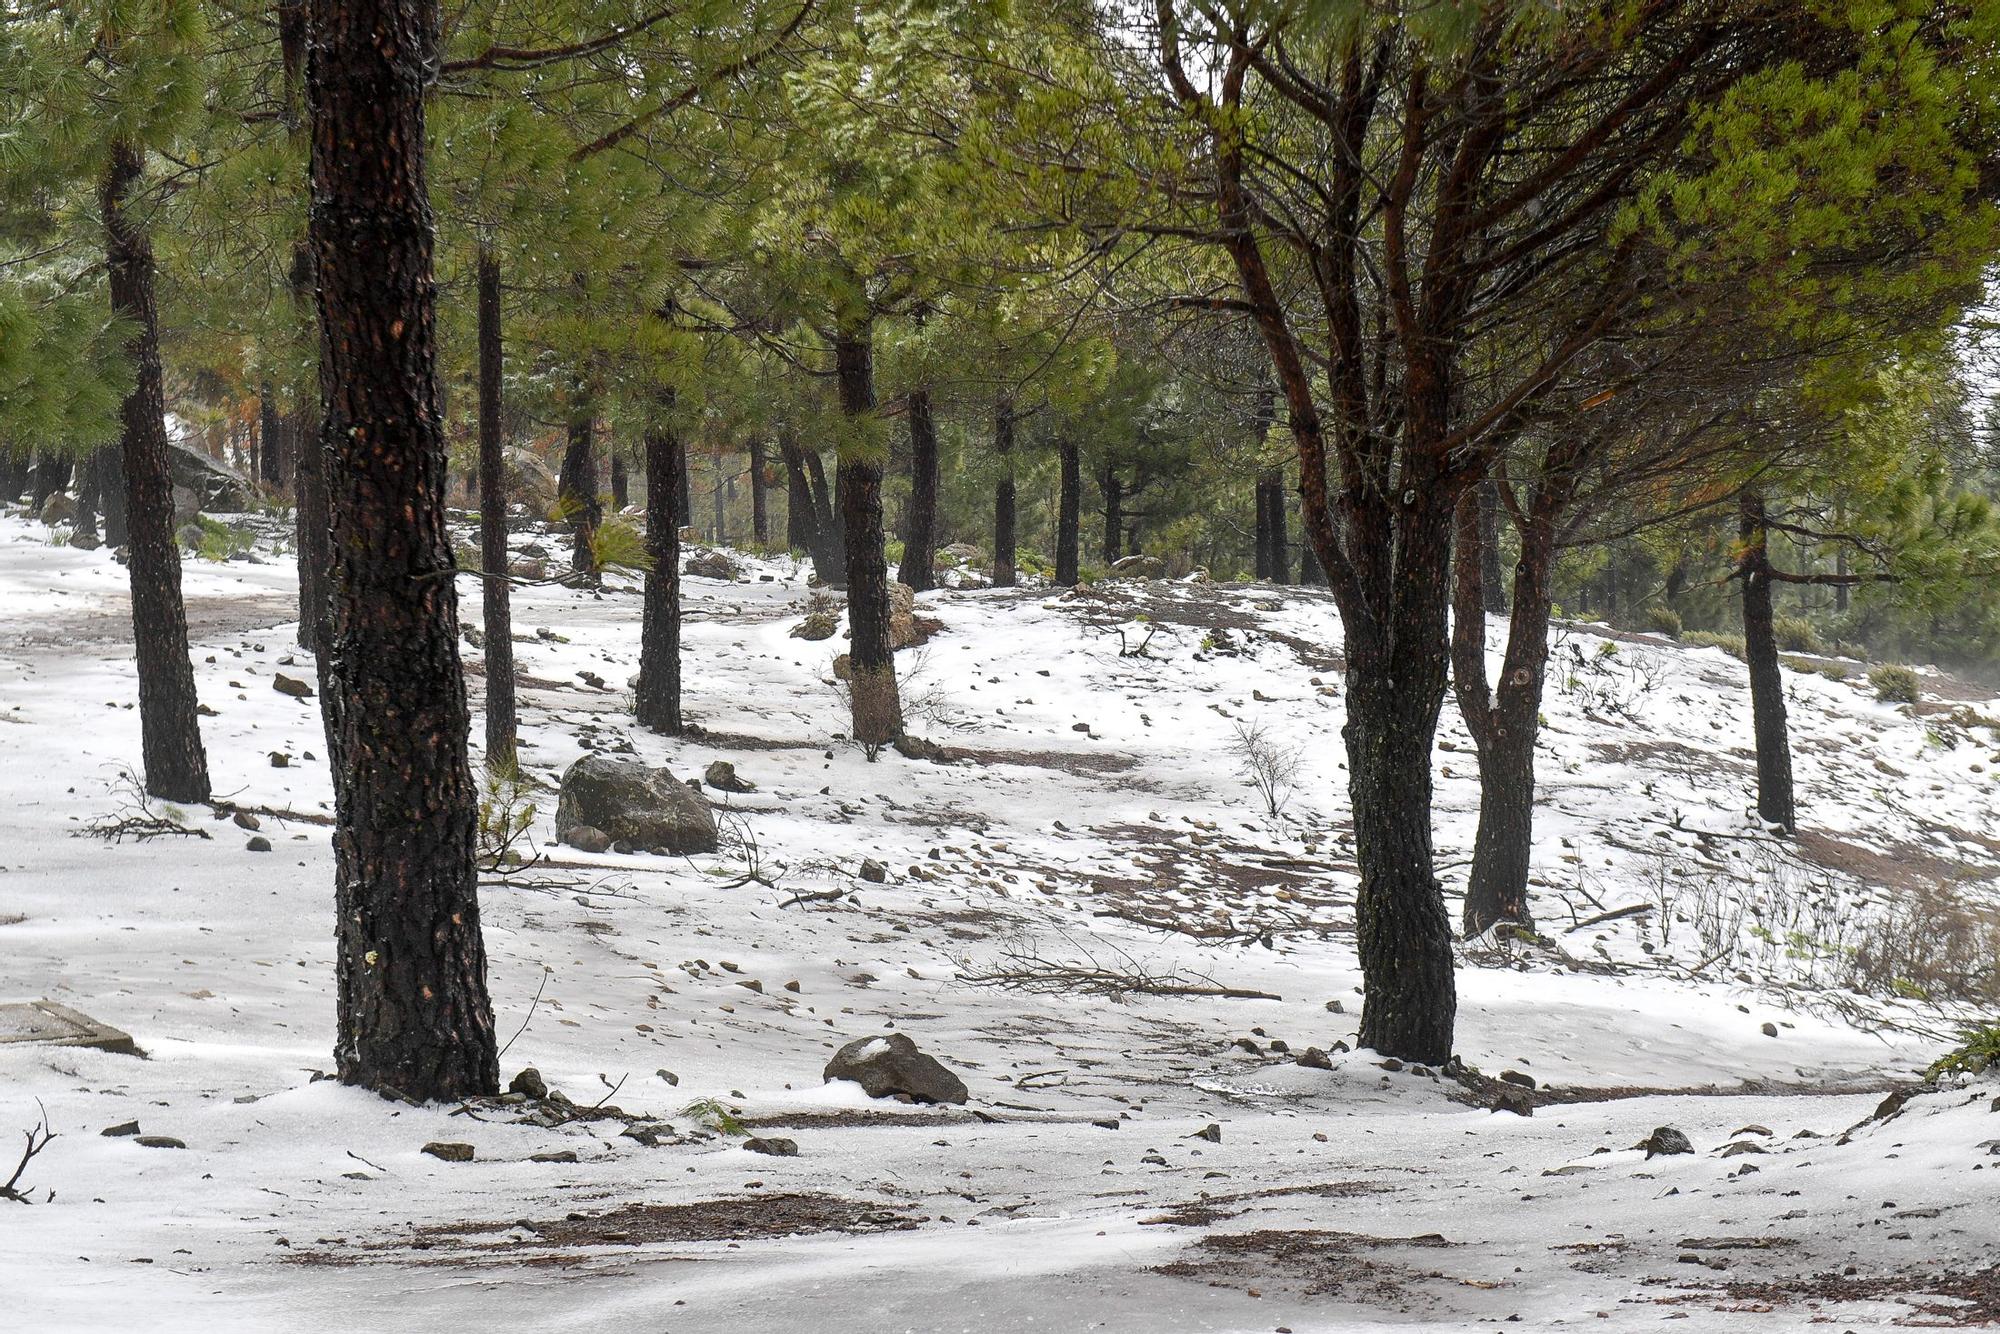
x=530 y=1084
x=85 y=540
x=159 y=1142
x=245 y=820
x=775 y=1146
x=531 y=482
x=1312 y=1058
x=874 y=872
x=1139 y=567
x=257 y=843
x=60 y=507
x=290 y=685
x=448 y=1151
x=890 y=1064
x=1665 y=1140
x=553 y=1156
x=1516 y=1077
x=631 y=802
x=721 y=775
x=710 y=565
x=587 y=838
x=122 y=1130
x=212 y=486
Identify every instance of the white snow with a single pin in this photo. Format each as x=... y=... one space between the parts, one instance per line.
x=1099 y=787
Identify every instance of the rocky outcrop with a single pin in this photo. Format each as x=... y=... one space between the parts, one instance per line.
x=207 y=485
x=631 y=802
x=890 y=1065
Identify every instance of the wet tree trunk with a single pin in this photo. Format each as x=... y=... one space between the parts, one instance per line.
x=621 y=483
x=1069 y=513
x=496 y=594
x=87 y=483
x=1775 y=800
x=760 y=518
x=270 y=439
x=1503 y=723
x=1003 y=496
x=657 y=704
x=875 y=703
x=1114 y=514
x=801 y=524
x=169 y=717
x=920 y=540
x=576 y=490
x=1278 y=551
x=413 y=1012
x=830 y=562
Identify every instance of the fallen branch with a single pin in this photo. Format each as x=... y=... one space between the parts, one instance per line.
x=1631 y=910
x=38 y=1139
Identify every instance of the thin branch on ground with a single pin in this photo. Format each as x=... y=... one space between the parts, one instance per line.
x=37 y=1139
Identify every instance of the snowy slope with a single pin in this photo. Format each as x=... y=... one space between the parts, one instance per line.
x=1094 y=790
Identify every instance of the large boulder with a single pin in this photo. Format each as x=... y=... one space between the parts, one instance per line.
x=530 y=482
x=1139 y=567
x=710 y=564
x=890 y=1064
x=634 y=803
x=203 y=483
x=903 y=630
x=60 y=507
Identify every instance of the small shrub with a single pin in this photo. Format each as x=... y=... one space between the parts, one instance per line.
x=1803 y=666
x=1271 y=766
x=1728 y=643
x=1978 y=1053
x=1796 y=634
x=1832 y=671
x=1664 y=621
x=1895 y=685
x=211 y=539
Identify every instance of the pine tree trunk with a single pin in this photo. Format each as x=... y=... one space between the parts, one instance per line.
x=270 y=438
x=169 y=717
x=717 y=496
x=413 y=1012
x=1003 y=495
x=621 y=483
x=1069 y=507
x=1503 y=723
x=496 y=593
x=1775 y=799
x=50 y=475
x=830 y=562
x=920 y=541
x=86 y=500
x=1114 y=514
x=801 y=522
x=576 y=489
x=875 y=703
x=760 y=518
x=108 y=463
x=1492 y=581
x=13 y=473
x=657 y=704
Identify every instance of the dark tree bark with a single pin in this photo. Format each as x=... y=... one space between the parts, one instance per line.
x=760 y=517
x=86 y=498
x=830 y=563
x=413 y=1012
x=13 y=474
x=876 y=706
x=51 y=474
x=1003 y=495
x=718 y=496
x=495 y=592
x=576 y=489
x=657 y=704
x=270 y=438
x=801 y=521
x=1273 y=547
x=108 y=463
x=920 y=537
x=621 y=484
x=1776 y=802
x=1504 y=723
x=169 y=717
x=1069 y=516
x=1492 y=581
x=1114 y=513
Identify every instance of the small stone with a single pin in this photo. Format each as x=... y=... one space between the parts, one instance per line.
x=280 y=760
x=721 y=775
x=448 y=1151
x=1665 y=1140
x=1392 y=1065
x=1517 y=1078
x=673 y=1080
x=1770 y=1029
x=792 y=985
x=258 y=843
x=1312 y=1058
x=159 y=1142
x=245 y=820
x=290 y=685
x=874 y=872
x=553 y=1156
x=777 y=1147
x=530 y=1084
x=122 y=1129
x=1210 y=1132
x=1514 y=1101
x=588 y=838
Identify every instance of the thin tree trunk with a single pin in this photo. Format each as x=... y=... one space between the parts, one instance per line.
x=1069 y=506
x=169 y=717
x=1114 y=514
x=920 y=540
x=270 y=438
x=877 y=711
x=801 y=522
x=1003 y=495
x=760 y=518
x=718 y=497
x=1492 y=581
x=621 y=482
x=50 y=475
x=1775 y=799
x=13 y=473
x=495 y=591
x=108 y=463
x=576 y=488
x=413 y=1012
x=832 y=569
x=657 y=704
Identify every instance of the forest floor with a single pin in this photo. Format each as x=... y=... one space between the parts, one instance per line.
x=1134 y=1157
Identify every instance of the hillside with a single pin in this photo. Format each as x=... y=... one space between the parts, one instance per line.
x=1062 y=903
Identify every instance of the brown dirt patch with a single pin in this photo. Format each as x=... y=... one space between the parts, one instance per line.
x=1312 y=1263
x=1950 y=1300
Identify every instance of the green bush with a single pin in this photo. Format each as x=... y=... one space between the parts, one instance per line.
x=1664 y=621
x=211 y=539
x=1978 y=1053
x=1796 y=634
x=1730 y=644
x=1833 y=671
x=1895 y=685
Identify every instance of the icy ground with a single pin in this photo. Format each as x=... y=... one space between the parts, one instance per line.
x=1097 y=817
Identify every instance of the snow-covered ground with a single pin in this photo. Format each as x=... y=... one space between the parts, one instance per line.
x=1096 y=818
